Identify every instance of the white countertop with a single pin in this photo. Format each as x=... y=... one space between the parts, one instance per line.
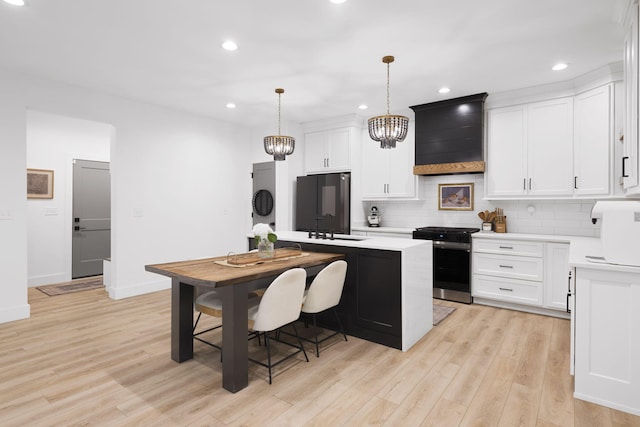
x=383 y=229
x=383 y=243
x=581 y=248
x=559 y=238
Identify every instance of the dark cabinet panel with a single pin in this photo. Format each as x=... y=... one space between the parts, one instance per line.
x=370 y=307
x=378 y=291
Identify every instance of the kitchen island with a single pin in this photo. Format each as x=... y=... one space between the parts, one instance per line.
x=388 y=291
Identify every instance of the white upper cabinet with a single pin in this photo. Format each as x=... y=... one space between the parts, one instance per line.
x=506 y=151
x=388 y=173
x=328 y=150
x=630 y=170
x=560 y=148
x=529 y=149
x=592 y=141
x=549 y=148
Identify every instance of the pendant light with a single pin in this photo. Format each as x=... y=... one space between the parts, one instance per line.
x=279 y=145
x=388 y=129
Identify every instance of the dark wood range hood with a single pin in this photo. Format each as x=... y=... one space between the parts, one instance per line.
x=449 y=136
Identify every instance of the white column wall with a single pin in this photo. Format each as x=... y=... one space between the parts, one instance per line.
x=13 y=202
x=53 y=142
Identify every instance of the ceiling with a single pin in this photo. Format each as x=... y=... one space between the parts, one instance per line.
x=327 y=56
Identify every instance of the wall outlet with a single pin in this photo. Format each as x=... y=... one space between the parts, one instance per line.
x=6 y=214
x=50 y=211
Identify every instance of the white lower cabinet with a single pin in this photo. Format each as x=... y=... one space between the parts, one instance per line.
x=510 y=290
x=556 y=276
x=607 y=338
x=521 y=272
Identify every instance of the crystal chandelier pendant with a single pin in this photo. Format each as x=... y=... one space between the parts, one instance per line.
x=279 y=146
x=388 y=129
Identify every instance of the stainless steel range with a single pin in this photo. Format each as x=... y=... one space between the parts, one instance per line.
x=451 y=261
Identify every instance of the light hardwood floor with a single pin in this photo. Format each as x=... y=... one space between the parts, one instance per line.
x=83 y=359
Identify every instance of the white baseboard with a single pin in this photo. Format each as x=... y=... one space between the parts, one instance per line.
x=9 y=314
x=116 y=292
x=522 y=307
x=46 y=279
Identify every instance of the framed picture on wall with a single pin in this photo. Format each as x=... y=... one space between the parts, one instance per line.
x=39 y=184
x=455 y=197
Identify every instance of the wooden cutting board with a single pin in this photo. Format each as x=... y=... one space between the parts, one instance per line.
x=254 y=257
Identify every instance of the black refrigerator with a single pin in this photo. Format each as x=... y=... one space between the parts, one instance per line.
x=323 y=203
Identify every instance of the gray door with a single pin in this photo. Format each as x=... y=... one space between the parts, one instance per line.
x=91 y=242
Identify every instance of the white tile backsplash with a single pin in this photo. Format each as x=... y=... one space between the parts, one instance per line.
x=566 y=217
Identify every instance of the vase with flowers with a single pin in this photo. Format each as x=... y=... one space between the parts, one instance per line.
x=265 y=238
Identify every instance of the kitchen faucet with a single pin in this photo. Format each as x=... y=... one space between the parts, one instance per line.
x=324 y=232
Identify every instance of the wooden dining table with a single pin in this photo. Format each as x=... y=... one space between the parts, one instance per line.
x=233 y=282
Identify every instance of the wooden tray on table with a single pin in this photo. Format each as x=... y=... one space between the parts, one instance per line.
x=255 y=258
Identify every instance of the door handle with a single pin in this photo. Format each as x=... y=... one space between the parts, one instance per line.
x=624 y=174
x=78 y=228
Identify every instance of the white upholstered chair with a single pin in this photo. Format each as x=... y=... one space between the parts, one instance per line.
x=210 y=303
x=323 y=294
x=279 y=306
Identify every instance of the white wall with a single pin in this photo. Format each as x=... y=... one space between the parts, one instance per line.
x=175 y=184
x=549 y=216
x=53 y=141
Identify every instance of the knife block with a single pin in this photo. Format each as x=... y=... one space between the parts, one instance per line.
x=500 y=227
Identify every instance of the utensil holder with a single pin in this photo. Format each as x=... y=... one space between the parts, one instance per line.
x=501 y=227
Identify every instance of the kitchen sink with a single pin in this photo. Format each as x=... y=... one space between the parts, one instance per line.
x=346 y=237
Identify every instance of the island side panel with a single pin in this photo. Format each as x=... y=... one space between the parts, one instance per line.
x=417 y=293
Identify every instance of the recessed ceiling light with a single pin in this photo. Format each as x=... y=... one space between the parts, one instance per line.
x=363 y=106
x=229 y=45
x=231 y=105
x=444 y=90
x=15 y=2
x=559 y=66
x=337 y=1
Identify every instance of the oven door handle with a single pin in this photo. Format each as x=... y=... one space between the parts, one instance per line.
x=456 y=246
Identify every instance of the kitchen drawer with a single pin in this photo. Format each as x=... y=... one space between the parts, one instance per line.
x=509 y=247
x=504 y=289
x=516 y=267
